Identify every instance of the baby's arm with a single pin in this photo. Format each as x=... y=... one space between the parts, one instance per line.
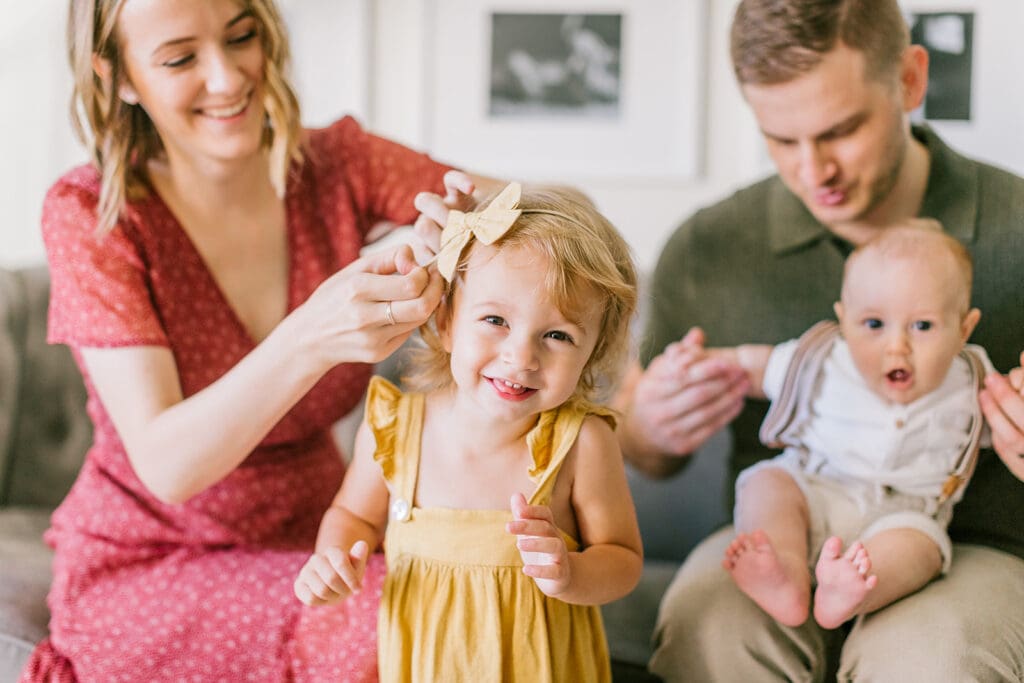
x=609 y=564
x=351 y=528
x=753 y=358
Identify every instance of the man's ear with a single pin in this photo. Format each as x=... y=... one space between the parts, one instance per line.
x=913 y=76
x=103 y=69
x=969 y=323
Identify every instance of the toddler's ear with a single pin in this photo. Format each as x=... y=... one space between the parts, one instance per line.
x=443 y=322
x=838 y=308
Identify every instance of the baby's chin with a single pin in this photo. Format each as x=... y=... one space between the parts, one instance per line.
x=901 y=393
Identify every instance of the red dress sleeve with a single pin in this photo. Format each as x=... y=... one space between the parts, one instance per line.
x=382 y=176
x=99 y=292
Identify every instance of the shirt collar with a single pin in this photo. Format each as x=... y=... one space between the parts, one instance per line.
x=951 y=196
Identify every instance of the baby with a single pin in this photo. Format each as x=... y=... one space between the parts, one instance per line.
x=881 y=427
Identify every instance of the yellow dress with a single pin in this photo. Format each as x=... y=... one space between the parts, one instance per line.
x=456 y=604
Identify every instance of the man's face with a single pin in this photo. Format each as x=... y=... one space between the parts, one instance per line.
x=837 y=137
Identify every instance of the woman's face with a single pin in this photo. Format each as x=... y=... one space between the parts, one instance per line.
x=196 y=68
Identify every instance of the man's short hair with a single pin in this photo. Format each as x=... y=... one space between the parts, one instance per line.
x=775 y=41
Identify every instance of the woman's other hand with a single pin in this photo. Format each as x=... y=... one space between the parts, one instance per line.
x=433 y=208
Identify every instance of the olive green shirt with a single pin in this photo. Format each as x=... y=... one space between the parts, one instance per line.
x=759 y=268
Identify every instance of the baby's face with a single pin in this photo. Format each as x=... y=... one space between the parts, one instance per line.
x=903 y=319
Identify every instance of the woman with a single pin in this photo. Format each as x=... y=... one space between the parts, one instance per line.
x=205 y=275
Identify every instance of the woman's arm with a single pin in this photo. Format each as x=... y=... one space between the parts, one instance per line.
x=179 y=447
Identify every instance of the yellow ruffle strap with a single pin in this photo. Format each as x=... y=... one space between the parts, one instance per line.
x=556 y=432
x=382 y=399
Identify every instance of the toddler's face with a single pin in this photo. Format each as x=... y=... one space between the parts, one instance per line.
x=904 y=322
x=513 y=352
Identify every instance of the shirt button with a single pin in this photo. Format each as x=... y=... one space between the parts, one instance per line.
x=400 y=509
x=900 y=424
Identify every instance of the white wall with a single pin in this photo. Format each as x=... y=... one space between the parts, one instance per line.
x=392 y=93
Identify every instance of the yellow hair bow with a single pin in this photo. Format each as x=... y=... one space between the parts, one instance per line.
x=487 y=226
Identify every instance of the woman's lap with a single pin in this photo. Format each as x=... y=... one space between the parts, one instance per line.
x=217 y=615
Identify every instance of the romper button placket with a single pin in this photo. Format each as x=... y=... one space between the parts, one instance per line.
x=400 y=509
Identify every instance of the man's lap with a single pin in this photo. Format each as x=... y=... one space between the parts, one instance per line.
x=974 y=616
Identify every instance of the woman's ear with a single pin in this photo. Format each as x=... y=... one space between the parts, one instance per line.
x=103 y=69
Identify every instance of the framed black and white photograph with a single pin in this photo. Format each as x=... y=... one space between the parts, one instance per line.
x=973 y=100
x=949 y=37
x=555 y=64
x=567 y=90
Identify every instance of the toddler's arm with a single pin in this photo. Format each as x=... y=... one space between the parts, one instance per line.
x=609 y=563
x=351 y=528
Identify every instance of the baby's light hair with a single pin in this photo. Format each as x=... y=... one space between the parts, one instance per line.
x=585 y=254
x=917 y=238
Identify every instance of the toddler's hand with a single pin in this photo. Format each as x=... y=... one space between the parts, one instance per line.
x=332 y=575
x=540 y=544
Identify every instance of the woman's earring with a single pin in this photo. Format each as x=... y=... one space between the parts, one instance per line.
x=128 y=95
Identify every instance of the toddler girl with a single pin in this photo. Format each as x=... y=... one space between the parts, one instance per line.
x=498 y=488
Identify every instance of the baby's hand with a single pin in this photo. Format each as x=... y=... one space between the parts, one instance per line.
x=332 y=575
x=540 y=544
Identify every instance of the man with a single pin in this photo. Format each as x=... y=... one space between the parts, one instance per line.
x=831 y=84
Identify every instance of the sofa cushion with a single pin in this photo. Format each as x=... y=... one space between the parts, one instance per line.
x=24 y=584
x=44 y=430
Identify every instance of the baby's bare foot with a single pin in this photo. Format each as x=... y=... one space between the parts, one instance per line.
x=783 y=592
x=844 y=581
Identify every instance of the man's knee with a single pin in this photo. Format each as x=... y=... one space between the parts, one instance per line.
x=966 y=626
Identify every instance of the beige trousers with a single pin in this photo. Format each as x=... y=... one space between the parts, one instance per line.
x=965 y=626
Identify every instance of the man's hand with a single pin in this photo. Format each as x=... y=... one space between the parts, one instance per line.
x=1002 y=402
x=674 y=406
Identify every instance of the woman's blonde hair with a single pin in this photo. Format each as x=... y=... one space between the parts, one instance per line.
x=589 y=264
x=121 y=137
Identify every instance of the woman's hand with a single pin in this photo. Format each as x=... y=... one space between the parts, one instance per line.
x=365 y=311
x=458 y=194
x=545 y=555
x=332 y=575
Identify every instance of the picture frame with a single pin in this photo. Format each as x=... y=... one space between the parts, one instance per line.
x=620 y=123
x=976 y=70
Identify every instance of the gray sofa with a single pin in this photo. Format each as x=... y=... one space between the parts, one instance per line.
x=44 y=433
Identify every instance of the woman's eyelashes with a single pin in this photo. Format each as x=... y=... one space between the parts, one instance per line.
x=179 y=61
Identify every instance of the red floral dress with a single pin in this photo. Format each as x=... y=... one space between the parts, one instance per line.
x=145 y=591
